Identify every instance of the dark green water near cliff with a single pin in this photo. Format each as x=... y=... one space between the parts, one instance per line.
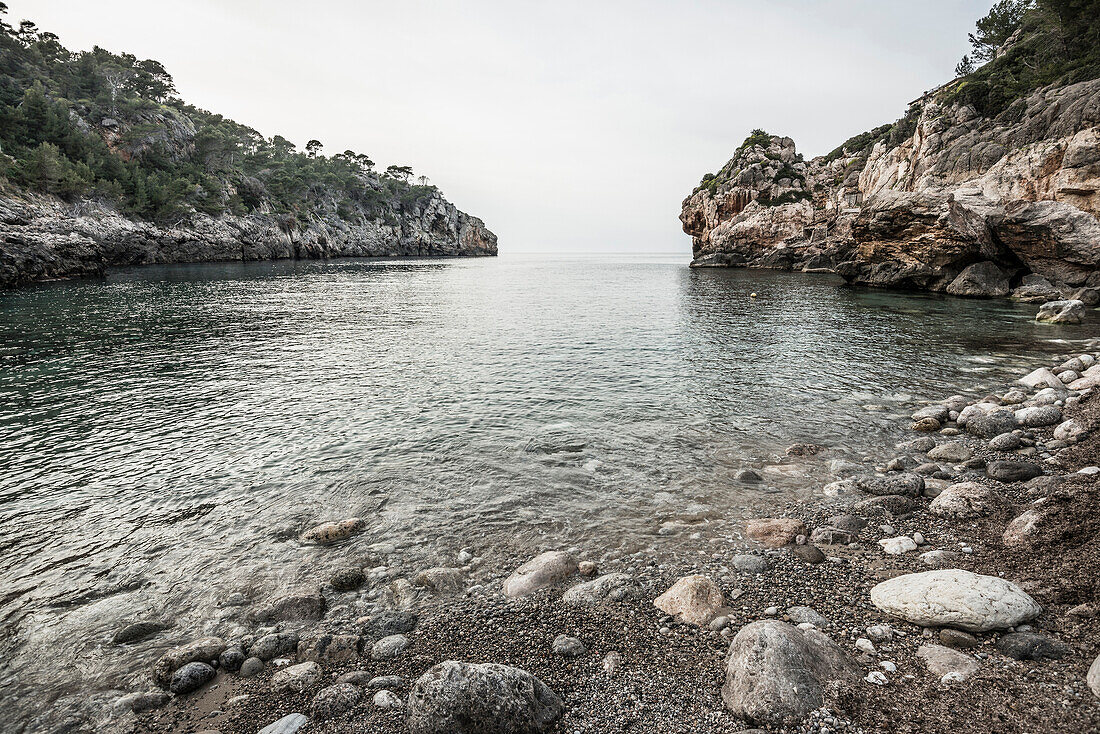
x=166 y=434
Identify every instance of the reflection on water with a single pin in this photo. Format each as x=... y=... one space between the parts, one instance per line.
x=164 y=435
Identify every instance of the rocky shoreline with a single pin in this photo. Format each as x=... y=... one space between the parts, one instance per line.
x=952 y=589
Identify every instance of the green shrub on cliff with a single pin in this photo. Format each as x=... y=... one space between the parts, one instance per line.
x=756 y=137
x=106 y=125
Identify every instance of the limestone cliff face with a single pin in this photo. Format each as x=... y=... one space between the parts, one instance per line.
x=44 y=238
x=1018 y=194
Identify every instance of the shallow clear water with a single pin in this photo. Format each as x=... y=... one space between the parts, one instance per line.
x=166 y=434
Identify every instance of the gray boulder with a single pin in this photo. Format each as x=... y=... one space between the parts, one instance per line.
x=966 y=500
x=1012 y=471
x=273 y=645
x=203 y=649
x=776 y=673
x=991 y=424
x=468 y=698
x=980 y=280
x=191 y=677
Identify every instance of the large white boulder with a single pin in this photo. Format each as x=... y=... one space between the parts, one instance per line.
x=955 y=598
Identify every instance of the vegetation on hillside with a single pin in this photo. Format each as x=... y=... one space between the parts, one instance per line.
x=108 y=126
x=1048 y=42
x=1028 y=44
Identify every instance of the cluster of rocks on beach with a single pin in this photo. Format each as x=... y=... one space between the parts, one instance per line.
x=951 y=588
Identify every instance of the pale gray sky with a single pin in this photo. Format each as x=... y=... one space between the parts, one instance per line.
x=565 y=125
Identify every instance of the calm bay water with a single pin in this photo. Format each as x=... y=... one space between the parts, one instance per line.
x=166 y=434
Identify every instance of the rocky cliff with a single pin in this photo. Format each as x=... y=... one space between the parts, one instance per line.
x=944 y=200
x=44 y=237
x=101 y=165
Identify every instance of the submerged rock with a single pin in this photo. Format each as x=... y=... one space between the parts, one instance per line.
x=333 y=532
x=467 y=698
x=543 y=570
x=955 y=598
x=774 y=532
x=776 y=673
x=609 y=587
x=1061 y=312
x=135 y=631
x=302 y=606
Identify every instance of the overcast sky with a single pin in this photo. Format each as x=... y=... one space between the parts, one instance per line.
x=564 y=125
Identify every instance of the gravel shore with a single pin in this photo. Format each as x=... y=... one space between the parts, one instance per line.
x=670 y=676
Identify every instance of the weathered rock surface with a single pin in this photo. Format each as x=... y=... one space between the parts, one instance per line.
x=955 y=598
x=466 y=698
x=776 y=673
x=333 y=701
x=1032 y=646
